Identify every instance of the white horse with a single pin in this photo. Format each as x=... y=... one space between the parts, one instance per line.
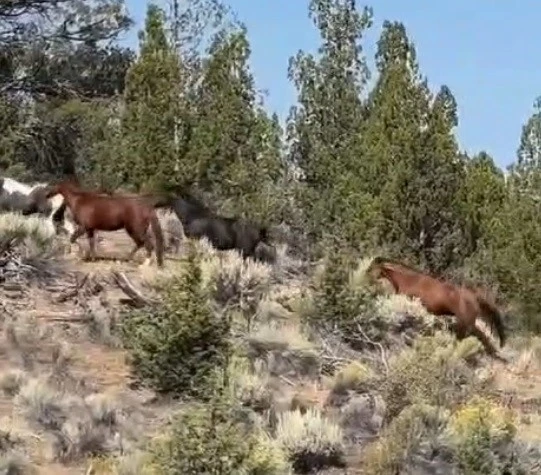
x=10 y=185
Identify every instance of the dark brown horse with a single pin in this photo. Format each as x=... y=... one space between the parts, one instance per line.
x=443 y=298
x=99 y=212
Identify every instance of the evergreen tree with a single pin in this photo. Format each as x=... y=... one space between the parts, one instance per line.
x=324 y=128
x=152 y=108
x=510 y=253
x=482 y=197
x=413 y=157
x=235 y=148
x=526 y=172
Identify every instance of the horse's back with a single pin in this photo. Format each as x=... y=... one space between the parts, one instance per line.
x=215 y=230
x=111 y=213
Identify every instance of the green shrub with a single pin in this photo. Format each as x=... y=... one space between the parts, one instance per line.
x=482 y=434
x=177 y=347
x=402 y=439
x=338 y=302
x=211 y=438
x=434 y=371
x=311 y=440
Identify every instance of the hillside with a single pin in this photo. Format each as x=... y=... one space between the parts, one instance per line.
x=69 y=403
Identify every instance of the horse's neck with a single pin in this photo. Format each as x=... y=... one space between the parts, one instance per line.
x=191 y=210
x=69 y=197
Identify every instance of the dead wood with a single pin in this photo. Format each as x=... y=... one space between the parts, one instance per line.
x=136 y=297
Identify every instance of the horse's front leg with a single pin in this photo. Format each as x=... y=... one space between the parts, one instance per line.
x=77 y=233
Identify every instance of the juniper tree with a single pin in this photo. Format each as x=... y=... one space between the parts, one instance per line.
x=414 y=165
x=324 y=128
x=151 y=110
x=235 y=149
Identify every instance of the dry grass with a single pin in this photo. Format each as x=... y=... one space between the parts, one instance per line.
x=36 y=230
x=310 y=438
x=82 y=425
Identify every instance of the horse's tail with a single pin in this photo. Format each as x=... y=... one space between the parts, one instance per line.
x=491 y=315
x=158 y=234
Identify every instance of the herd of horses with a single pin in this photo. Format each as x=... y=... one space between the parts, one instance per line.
x=89 y=211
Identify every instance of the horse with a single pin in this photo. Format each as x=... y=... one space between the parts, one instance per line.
x=94 y=211
x=19 y=197
x=224 y=233
x=442 y=298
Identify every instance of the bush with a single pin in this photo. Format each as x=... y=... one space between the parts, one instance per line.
x=482 y=434
x=210 y=438
x=35 y=230
x=434 y=371
x=176 y=347
x=350 y=377
x=339 y=301
x=311 y=440
x=402 y=440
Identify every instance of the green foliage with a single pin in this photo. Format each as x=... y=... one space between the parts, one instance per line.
x=235 y=147
x=415 y=168
x=181 y=346
x=150 y=122
x=338 y=303
x=433 y=371
x=323 y=129
x=210 y=438
x=417 y=425
x=482 y=197
x=482 y=435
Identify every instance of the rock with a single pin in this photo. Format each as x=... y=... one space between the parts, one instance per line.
x=362 y=417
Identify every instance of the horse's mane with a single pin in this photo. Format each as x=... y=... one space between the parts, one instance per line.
x=193 y=201
x=380 y=260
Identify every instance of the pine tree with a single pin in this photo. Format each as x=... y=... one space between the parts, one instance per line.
x=526 y=172
x=152 y=108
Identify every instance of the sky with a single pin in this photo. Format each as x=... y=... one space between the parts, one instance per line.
x=482 y=50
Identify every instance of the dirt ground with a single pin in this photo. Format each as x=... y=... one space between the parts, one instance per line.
x=57 y=314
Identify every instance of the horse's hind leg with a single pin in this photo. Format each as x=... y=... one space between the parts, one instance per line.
x=139 y=241
x=91 y=244
x=487 y=344
x=149 y=247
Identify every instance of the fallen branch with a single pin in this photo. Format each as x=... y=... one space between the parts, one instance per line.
x=128 y=288
x=63 y=317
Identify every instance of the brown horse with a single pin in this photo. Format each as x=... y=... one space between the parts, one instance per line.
x=443 y=298
x=100 y=212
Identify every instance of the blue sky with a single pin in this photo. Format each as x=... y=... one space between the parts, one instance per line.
x=483 y=50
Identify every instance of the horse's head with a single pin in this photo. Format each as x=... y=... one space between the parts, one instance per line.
x=37 y=202
x=65 y=186
x=375 y=270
